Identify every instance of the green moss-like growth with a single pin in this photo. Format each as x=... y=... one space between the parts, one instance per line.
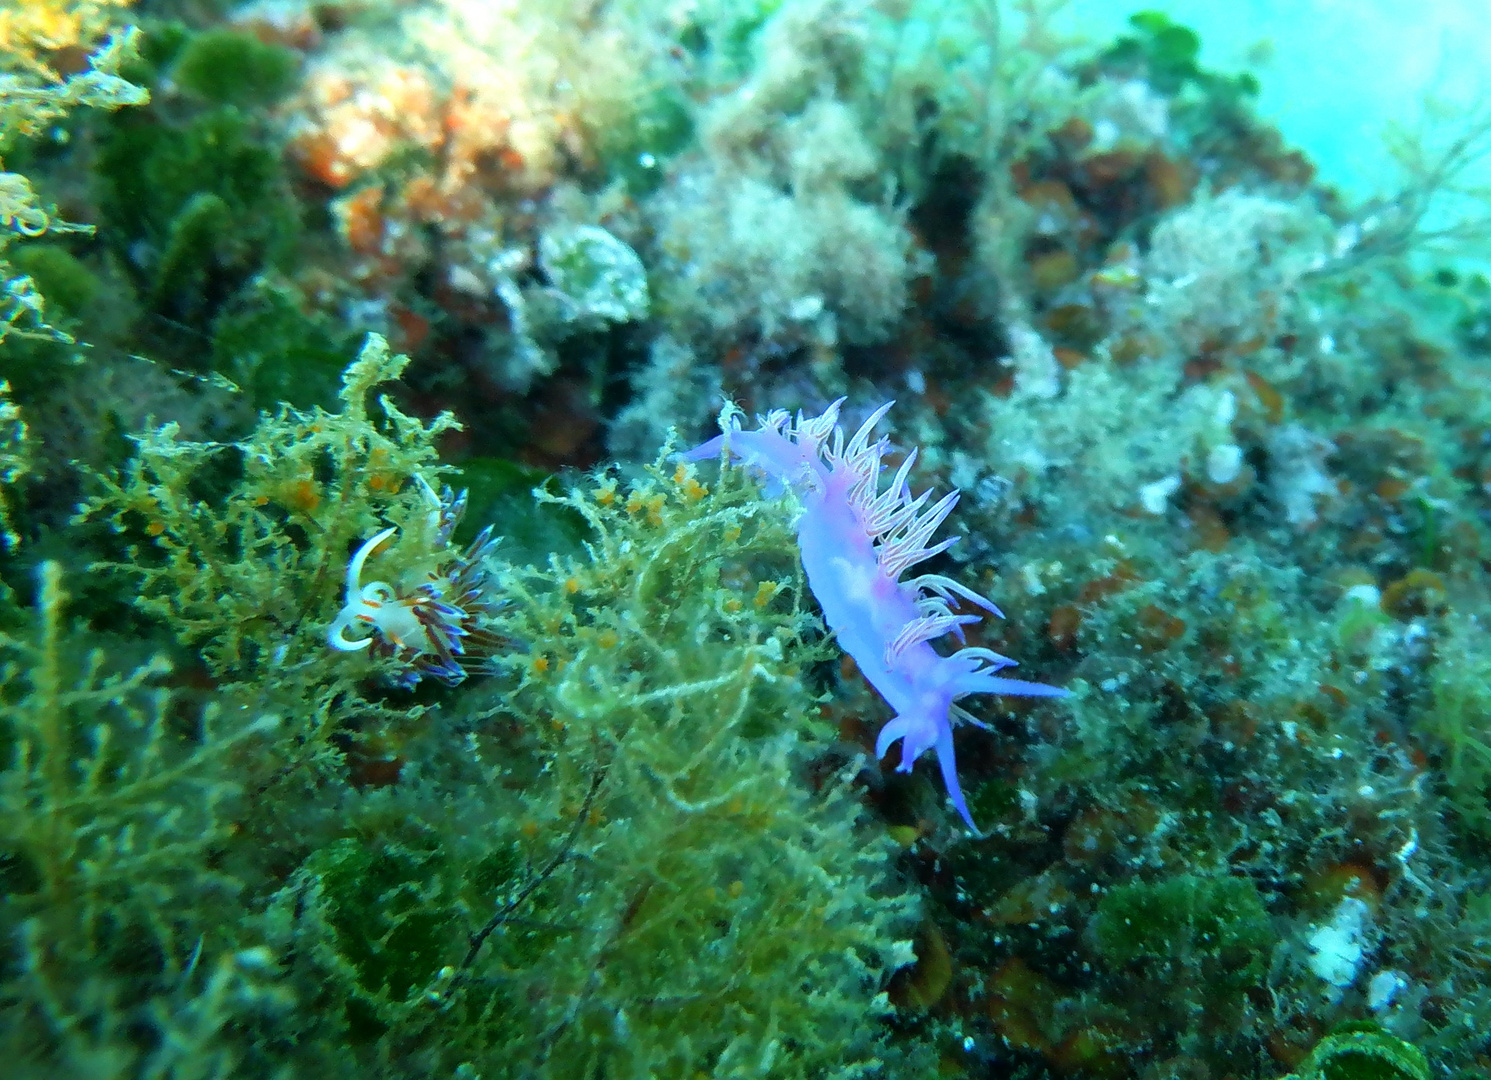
x=392 y=921
x=117 y=919
x=15 y=460
x=228 y=67
x=1168 y=54
x=63 y=288
x=27 y=104
x=34 y=333
x=1363 y=1051
x=1458 y=717
x=267 y=344
x=161 y=41
x=66 y=283
x=712 y=887
x=198 y=208
x=254 y=572
x=501 y=490
x=197 y=239
x=1207 y=937
x=637 y=149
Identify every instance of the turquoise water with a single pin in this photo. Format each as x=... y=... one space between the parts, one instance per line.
x=1334 y=73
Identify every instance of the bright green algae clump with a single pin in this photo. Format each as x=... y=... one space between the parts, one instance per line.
x=607 y=851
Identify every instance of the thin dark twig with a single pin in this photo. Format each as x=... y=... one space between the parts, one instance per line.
x=503 y=913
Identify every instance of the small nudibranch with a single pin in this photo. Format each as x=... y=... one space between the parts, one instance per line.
x=437 y=627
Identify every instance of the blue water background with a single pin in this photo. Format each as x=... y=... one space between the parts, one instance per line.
x=1334 y=73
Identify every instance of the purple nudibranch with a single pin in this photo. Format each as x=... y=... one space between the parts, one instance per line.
x=856 y=541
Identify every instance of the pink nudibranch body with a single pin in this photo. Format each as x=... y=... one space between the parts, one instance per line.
x=856 y=542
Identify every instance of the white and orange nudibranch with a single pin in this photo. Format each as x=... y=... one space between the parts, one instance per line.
x=441 y=626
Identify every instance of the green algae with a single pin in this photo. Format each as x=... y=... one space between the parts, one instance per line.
x=1363 y=1051
x=623 y=789
x=265 y=342
x=208 y=200
x=1211 y=934
x=230 y=67
x=1225 y=477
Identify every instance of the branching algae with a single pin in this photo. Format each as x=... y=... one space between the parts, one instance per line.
x=111 y=818
x=248 y=578
x=628 y=848
x=721 y=919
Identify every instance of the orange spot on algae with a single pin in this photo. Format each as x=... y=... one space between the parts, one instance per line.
x=1329 y=885
x=1121 y=578
x=1054 y=269
x=1235 y=721
x=361 y=219
x=651 y=502
x=1289 y=1045
x=302 y=495
x=1336 y=694
x=1093 y=1051
x=932 y=974
x=320 y=157
x=1392 y=488
x=1210 y=530
x=1130 y=349
x=414 y=327
x=1271 y=400
x=1419 y=592
x=1091 y=835
x=1019 y=999
x=1063 y=625
x=1158 y=629
x=1072 y=136
x=1169 y=180
x=1030 y=900
x=1054 y=198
